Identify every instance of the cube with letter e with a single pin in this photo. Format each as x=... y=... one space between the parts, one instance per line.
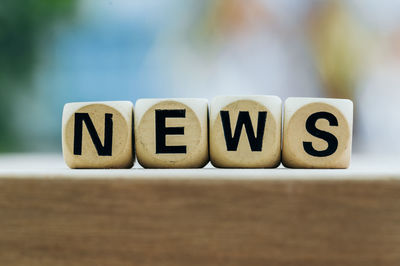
x=171 y=133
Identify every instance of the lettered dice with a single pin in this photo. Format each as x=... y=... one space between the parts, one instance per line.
x=98 y=134
x=317 y=133
x=245 y=131
x=171 y=133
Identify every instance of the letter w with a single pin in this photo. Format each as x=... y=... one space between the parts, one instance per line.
x=243 y=120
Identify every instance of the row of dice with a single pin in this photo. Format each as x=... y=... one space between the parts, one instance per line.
x=234 y=132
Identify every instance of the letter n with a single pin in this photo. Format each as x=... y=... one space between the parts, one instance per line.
x=102 y=150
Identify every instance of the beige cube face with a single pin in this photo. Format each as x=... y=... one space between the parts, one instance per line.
x=98 y=134
x=245 y=131
x=317 y=133
x=171 y=133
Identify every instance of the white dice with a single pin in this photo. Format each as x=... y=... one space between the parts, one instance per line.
x=245 y=131
x=237 y=132
x=317 y=133
x=98 y=135
x=171 y=133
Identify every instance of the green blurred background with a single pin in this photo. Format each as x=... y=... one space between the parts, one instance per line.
x=58 y=51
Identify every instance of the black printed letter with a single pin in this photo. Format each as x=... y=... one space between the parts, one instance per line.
x=328 y=137
x=105 y=150
x=243 y=120
x=162 y=131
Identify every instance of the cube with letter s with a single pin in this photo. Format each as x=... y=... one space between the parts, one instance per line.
x=317 y=133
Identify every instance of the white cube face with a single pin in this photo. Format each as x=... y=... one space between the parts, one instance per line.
x=245 y=131
x=98 y=134
x=171 y=133
x=317 y=133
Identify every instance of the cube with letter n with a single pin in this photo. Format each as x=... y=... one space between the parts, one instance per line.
x=98 y=134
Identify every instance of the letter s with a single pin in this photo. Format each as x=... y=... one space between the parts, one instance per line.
x=328 y=137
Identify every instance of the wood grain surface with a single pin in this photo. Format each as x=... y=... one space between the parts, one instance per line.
x=195 y=221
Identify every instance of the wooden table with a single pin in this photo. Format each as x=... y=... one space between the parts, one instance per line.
x=51 y=215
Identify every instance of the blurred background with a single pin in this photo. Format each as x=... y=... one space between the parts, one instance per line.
x=58 y=51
